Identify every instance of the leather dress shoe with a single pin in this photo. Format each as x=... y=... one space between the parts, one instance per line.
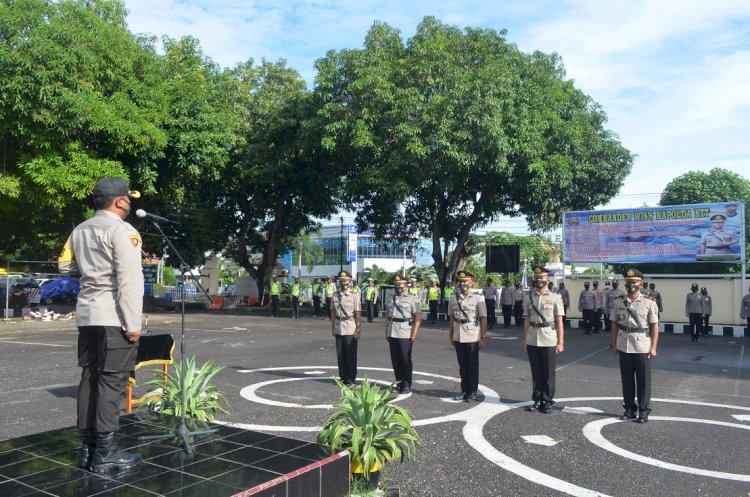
x=628 y=414
x=462 y=396
x=642 y=418
x=545 y=407
x=406 y=389
x=533 y=407
x=471 y=397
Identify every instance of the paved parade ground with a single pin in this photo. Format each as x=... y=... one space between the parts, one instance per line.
x=278 y=379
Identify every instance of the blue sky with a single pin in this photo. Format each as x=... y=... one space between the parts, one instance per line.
x=672 y=75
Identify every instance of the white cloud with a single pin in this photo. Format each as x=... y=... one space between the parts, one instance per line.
x=671 y=75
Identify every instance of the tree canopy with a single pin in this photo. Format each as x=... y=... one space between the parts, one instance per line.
x=446 y=132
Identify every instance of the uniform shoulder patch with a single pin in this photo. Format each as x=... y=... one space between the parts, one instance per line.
x=134 y=240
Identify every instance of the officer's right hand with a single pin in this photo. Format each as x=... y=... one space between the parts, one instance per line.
x=614 y=349
x=133 y=336
x=453 y=342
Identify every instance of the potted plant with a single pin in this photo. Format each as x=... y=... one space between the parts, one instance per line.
x=203 y=400
x=376 y=432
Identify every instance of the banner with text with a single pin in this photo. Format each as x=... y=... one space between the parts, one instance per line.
x=676 y=233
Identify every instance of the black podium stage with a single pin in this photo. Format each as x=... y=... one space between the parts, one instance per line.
x=231 y=462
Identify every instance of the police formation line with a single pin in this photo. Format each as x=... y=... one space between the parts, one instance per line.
x=634 y=329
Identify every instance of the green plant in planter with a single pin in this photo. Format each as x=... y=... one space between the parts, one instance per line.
x=366 y=423
x=202 y=399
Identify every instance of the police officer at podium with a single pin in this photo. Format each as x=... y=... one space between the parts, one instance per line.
x=105 y=251
x=635 y=334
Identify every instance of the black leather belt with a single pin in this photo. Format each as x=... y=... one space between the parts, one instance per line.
x=464 y=321
x=400 y=320
x=541 y=325
x=348 y=318
x=631 y=330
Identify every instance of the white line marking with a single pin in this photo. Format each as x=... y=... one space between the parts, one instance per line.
x=315 y=372
x=592 y=431
x=582 y=410
x=582 y=358
x=540 y=440
x=741 y=417
x=424 y=382
x=504 y=338
x=36 y=343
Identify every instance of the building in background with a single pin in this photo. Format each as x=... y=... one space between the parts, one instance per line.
x=345 y=247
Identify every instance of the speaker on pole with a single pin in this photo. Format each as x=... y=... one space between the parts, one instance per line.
x=503 y=258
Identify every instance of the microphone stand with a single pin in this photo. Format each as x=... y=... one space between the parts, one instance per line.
x=182 y=432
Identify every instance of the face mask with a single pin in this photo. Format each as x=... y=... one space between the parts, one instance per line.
x=344 y=285
x=400 y=289
x=540 y=283
x=632 y=287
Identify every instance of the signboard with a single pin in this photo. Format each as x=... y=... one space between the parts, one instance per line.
x=677 y=233
x=352 y=244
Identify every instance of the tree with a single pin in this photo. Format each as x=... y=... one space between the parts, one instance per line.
x=306 y=248
x=280 y=180
x=78 y=101
x=446 y=132
x=698 y=187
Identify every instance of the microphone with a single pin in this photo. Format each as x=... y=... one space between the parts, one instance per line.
x=151 y=217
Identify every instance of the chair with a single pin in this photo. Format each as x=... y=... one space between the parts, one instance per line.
x=152 y=350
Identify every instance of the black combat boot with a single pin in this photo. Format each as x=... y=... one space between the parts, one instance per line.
x=108 y=457
x=88 y=445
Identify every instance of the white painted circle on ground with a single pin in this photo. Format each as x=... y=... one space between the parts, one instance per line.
x=490 y=398
x=474 y=436
x=593 y=432
x=249 y=393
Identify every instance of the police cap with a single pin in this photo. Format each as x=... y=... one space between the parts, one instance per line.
x=111 y=186
x=344 y=275
x=399 y=280
x=464 y=276
x=717 y=216
x=632 y=275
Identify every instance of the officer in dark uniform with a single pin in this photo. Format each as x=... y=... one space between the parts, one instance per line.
x=346 y=326
x=694 y=312
x=467 y=323
x=543 y=332
x=706 y=310
x=106 y=252
x=403 y=317
x=635 y=334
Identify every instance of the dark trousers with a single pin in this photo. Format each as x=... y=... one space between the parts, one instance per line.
x=433 y=310
x=274 y=305
x=747 y=330
x=507 y=314
x=401 y=360
x=635 y=371
x=588 y=320
x=518 y=312
x=704 y=324
x=607 y=323
x=346 y=354
x=370 y=310
x=491 y=318
x=327 y=308
x=695 y=324
x=106 y=358
x=316 y=306
x=597 y=325
x=295 y=307
x=542 y=361
x=468 y=365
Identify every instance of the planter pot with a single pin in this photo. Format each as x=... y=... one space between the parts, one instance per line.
x=367 y=484
x=392 y=492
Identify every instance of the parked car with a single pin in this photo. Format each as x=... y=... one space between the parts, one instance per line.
x=60 y=291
